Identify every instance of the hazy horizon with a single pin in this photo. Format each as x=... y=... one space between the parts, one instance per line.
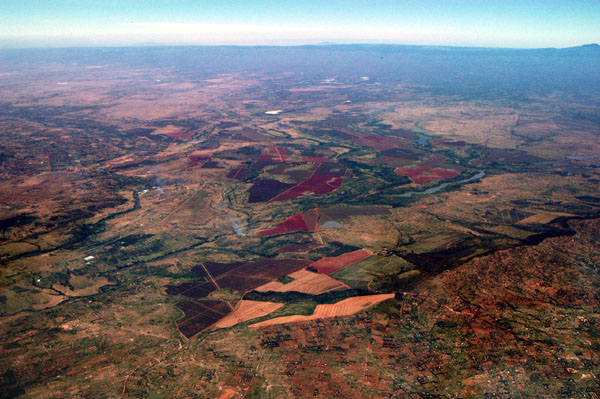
x=531 y=24
x=298 y=44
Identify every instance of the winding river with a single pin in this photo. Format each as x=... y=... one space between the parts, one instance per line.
x=435 y=189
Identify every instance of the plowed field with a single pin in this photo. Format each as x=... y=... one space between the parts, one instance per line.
x=306 y=282
x=247 y=310
x=346 y=307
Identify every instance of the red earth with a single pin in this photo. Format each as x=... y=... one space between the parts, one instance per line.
x=199 y=315
x=304 y=221
x=293 y=223
x=330 y=265
x=309 y=220
x=276 y=154
x=195 y=158
x=316 y=184
x=241 y=276
x=267 y=190
x=314 y=159
x=239 y=173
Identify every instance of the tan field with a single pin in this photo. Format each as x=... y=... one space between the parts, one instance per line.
x=83 y=286
x=247 y=310
x=346 y=307
x=543 y=217
x=306 y=282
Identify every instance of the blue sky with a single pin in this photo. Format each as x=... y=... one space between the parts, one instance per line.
x=496 y=23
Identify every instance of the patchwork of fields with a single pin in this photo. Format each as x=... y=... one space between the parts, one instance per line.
x=335 y=221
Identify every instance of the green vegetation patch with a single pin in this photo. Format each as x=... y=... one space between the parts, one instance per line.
x=373 y=272
x=225 y=294
x=285 y=279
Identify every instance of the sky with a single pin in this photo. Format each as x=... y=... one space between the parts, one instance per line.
x=488 y=23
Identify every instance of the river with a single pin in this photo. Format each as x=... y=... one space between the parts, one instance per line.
x=435 y=189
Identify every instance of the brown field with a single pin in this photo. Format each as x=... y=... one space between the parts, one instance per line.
x=306 y=282
x=543 y=217
x=346 y=307
x=247 y=310
x=241 y=276
x=330 y=265
x=199 y=315
x=82 y=286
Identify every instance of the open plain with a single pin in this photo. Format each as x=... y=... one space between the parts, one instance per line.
x=224 y=222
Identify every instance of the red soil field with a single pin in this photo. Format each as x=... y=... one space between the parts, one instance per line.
x=239 y=173
x=330 y=265
x=272 y=268
x=211 y=165
x=199 y=315
x=266 y=190
x=424 y=174
x=241 y=276
x=316 y=184
x=310 y=220
x=276 y=154
x=289 y=225
x=195 y=158
x=314 y=159
x=326 y=177
x=241 y=281
x=298 y=176
x=216 y=269
x=304 y=221
x=191 y=290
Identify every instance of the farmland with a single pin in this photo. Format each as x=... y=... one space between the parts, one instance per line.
x=304 y=281
x=247 y=310
x=343 y=308
x=183 y=227
x=332 y=264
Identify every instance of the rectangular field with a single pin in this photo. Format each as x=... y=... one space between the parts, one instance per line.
x=306 y=282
